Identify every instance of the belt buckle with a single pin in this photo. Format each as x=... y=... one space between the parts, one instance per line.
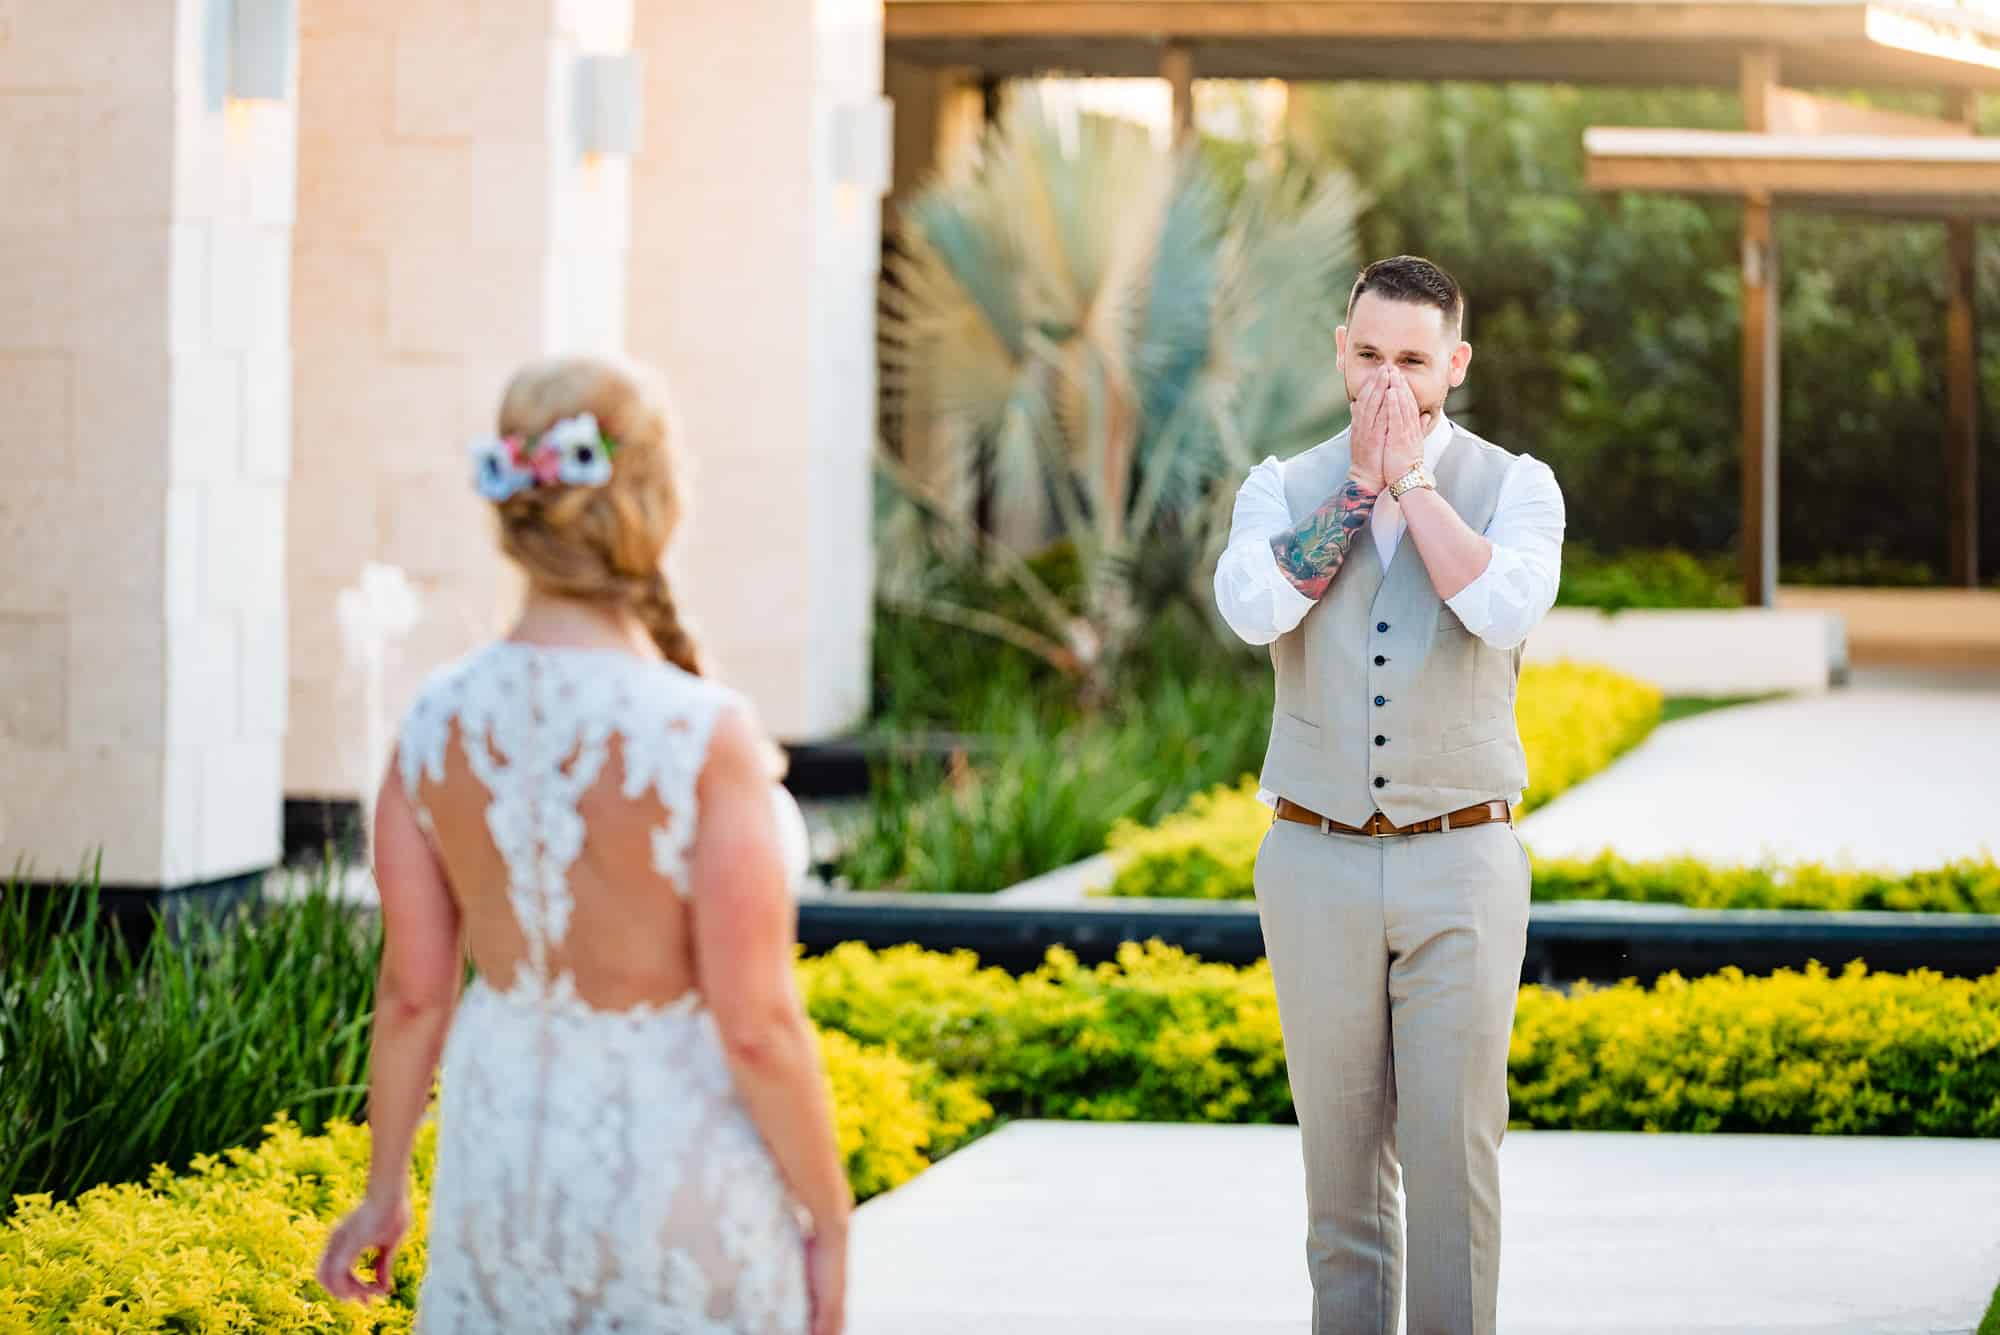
x=1376 y=819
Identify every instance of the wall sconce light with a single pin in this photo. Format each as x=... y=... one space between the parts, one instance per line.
x=863 y=143
x=250 y=45
x=607 y=103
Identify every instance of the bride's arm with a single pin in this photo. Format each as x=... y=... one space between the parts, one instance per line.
x=416 y=989
x=745 y=928
x=415 y=992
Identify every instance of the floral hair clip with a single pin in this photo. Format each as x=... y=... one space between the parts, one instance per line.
x=573 y=452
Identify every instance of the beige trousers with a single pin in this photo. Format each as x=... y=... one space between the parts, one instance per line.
x=1396 y=962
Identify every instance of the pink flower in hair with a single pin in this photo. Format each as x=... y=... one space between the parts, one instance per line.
x=547 y=464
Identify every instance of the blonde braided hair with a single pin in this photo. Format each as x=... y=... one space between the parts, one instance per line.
x=604 y=543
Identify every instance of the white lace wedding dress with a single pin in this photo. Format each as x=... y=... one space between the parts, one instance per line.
x=596 y=1171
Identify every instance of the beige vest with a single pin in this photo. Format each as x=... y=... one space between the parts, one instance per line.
x=1385 y=700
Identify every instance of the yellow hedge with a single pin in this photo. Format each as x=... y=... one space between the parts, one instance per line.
x=1574 y=720
x=1798 y=1052
x=230 y=1244
x=227 y=1246
x=1161 y=1036
x=1155 y=1035
x=894 y=1116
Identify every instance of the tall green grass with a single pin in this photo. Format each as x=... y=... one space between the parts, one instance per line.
x=113 y=1058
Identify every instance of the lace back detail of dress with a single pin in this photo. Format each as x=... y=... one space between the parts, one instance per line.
x=536 y=727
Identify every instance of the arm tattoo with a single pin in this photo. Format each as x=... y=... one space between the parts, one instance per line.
x=1311 y=554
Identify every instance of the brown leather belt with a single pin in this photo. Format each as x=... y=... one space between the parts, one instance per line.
x=1483 y=813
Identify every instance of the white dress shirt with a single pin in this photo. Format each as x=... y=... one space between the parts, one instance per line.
x=1501 y=606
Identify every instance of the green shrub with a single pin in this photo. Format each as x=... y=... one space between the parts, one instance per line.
x=1866 y=568
x=1666 y=577
x=230 y=1244
x=1670 y=577
x=1970 y=885
x=1054 y=780
x=1574 y=720
x=1853 y=1054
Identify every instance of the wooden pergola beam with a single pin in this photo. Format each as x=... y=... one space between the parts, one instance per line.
x=1489 y=20
x=1846 y=43
x=1727 y=162
x=1177 y=68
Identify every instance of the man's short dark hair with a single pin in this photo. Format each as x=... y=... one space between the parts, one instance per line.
x=1412 y=278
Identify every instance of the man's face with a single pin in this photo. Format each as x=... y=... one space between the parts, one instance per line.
x=1408 y=334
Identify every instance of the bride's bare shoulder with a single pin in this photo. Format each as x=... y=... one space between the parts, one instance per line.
x=740 y=748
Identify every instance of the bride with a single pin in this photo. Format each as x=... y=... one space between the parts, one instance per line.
x=633 y=1132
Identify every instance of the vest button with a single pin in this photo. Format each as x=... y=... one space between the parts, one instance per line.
x=1382 y=627
x=1381 y=700
x=1381 y=782
x=1379 y=660
x=1381 y=740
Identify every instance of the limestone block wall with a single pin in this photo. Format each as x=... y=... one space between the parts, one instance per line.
x=753 y=289
x=144 y=256
x=246 y=343
x=448 y=230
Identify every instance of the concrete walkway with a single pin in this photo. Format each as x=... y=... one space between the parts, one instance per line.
x=1056 y=1228
x=1897 y=770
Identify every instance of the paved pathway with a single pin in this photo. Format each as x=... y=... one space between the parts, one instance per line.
x=1895 y=770
x=1053 y=1228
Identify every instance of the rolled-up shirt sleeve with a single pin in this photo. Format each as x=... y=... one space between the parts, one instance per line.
x=1518 y=587
x=1251 y=592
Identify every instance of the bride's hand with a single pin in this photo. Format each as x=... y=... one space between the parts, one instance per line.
x=375 y=1225
x=826 y=1281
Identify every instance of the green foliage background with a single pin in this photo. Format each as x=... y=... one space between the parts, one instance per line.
x=1605 y=328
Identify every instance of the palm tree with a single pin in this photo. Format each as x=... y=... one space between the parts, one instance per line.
x=1124 y=334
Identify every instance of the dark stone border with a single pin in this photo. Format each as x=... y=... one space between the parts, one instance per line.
x=311 y=823
x=838 y=766
x=1607 y=940
x=1600 y=940
x=137 y=911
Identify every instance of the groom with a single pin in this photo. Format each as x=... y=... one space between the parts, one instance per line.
x=1395 y=571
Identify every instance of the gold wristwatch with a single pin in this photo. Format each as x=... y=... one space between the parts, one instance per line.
x=1418 y=476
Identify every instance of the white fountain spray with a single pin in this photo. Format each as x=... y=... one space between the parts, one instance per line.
x=375 y=617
